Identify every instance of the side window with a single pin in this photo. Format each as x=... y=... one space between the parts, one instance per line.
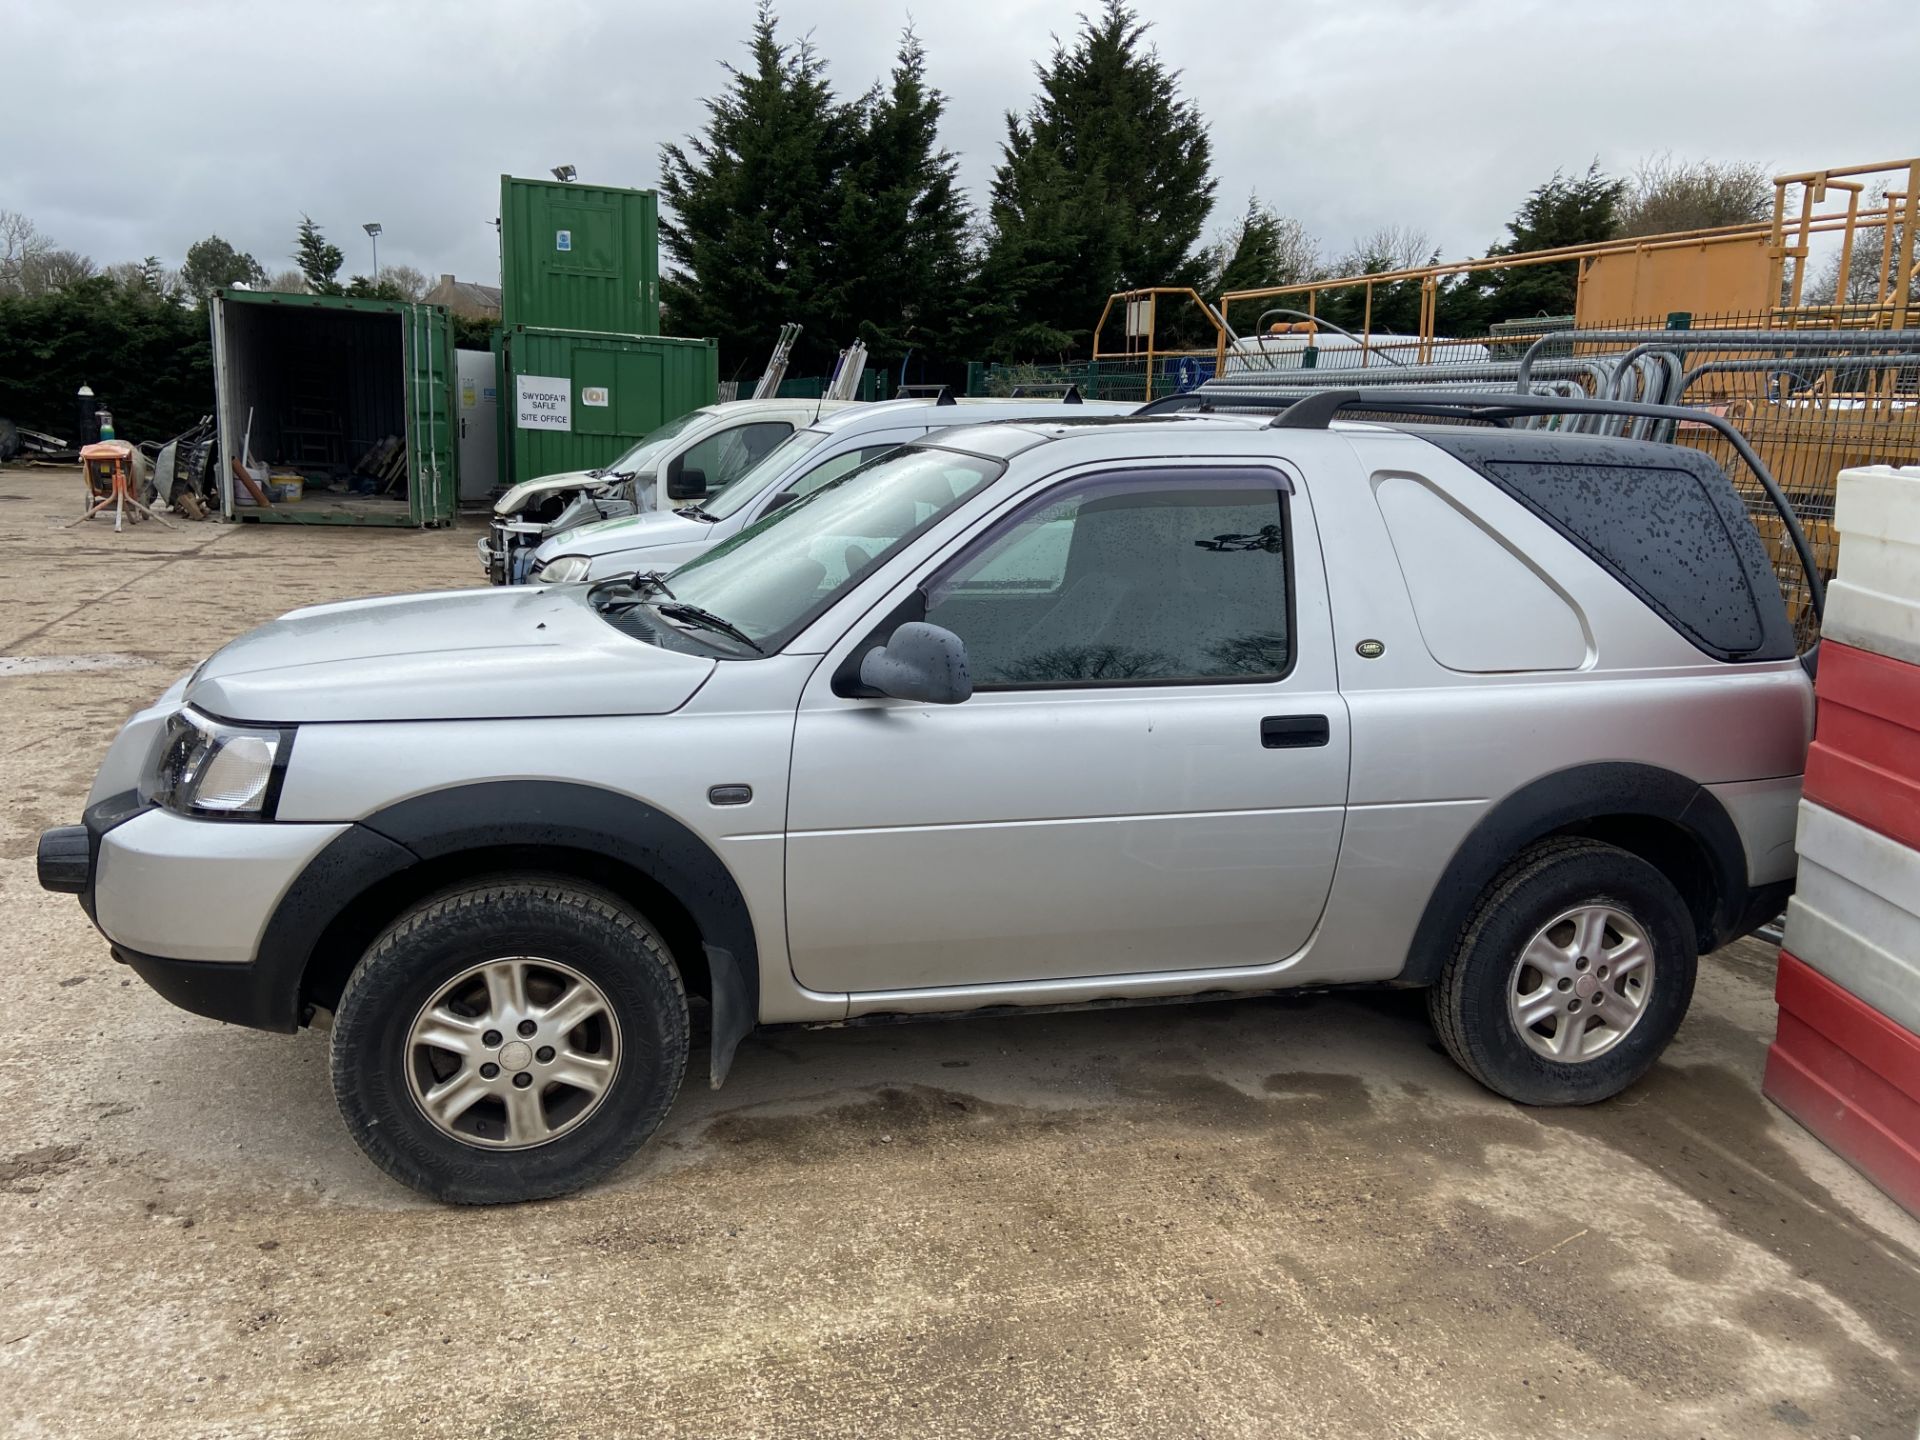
x=1150 y=580
x=726 y=456
x=1658 y=529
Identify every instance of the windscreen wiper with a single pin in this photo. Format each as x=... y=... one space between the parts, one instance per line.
x=681 y=610
x=641 y=582
x=698 y=512
x=649 y=582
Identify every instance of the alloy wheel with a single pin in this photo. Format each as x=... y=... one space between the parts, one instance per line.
x=1581 y=983
x=513 y=1053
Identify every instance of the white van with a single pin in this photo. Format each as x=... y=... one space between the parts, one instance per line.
x=696 y=455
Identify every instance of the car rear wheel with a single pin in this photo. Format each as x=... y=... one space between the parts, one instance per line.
x=1570 y=977
x=510 y=1041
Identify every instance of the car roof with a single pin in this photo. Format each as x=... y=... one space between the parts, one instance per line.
x=1011 y=436
x=972 y=410
x=776 y=405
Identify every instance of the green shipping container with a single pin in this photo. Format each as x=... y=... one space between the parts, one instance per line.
x=576 y=400
x=578 y=257
x=355 y=397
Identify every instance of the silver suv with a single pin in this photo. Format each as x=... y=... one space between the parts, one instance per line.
x=1029 y=714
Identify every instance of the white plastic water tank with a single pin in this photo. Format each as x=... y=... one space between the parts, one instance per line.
x=1855 y=913
x=1874 y=600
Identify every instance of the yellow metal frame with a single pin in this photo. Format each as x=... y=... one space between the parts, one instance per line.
x=1787 y=236
x=1149 y=351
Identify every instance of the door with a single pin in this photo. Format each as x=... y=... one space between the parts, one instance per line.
x=1150 y=775
x=479 y=424
x=432 y=464
x=223 y=407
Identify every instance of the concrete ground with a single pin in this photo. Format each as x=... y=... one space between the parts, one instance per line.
x=1267 y=1218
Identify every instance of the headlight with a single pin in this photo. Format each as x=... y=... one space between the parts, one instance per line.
x=209 y=768
x=564 y=569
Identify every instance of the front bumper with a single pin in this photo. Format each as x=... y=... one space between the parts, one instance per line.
x=68 y=858
x=201 y=909
x=235 y=994
x=506 y=550
x=198 y=889
x=65 y=860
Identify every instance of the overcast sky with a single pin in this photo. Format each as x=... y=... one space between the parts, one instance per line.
x=135 y=127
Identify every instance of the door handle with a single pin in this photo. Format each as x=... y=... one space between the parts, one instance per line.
x=1294 y=732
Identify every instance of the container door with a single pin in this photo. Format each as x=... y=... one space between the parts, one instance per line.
x=227 y=435
x=479 y=423
x=503 y=411
x=433 y=466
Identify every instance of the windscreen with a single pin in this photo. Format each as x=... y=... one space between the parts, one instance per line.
x=774 y=576
x=646 y=453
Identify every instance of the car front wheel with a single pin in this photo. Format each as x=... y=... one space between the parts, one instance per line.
x=1572 y=974
x=510 y=1041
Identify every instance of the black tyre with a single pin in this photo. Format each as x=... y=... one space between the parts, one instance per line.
x=510 y=1041
x=1573 y=972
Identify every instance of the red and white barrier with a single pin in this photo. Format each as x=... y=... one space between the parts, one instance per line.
x=1851 y=1076
x=1865 y=761
x=1855 y=912
x=1846 y=1059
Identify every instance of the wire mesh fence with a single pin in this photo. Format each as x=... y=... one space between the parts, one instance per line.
x=1810 y=400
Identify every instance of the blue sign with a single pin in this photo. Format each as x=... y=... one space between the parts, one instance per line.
x=1190 y=372
x=563 y=240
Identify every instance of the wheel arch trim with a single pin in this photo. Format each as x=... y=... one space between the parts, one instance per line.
x=524 y=814
x=1561 y=803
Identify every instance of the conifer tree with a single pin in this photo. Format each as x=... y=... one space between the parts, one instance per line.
x=1105 y=182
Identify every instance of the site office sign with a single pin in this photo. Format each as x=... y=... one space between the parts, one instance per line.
x=543 y=402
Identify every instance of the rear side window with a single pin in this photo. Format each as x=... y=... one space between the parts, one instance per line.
x=1659 y=531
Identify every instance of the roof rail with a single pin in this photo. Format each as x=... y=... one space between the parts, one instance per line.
x=1317 y=410
x=942 y=394
x=1205 y=402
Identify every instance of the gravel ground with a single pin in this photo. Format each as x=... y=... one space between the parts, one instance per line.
x=1275 y=1217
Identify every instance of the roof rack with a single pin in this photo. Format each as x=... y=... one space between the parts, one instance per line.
x=1206 y=404
x=942 y=394
x=1027 y=392
x=1316 y=411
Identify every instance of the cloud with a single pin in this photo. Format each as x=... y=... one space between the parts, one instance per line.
x=197 y=118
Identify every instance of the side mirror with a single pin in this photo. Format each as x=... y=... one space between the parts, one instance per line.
x=919 y=662
x=685 y=484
